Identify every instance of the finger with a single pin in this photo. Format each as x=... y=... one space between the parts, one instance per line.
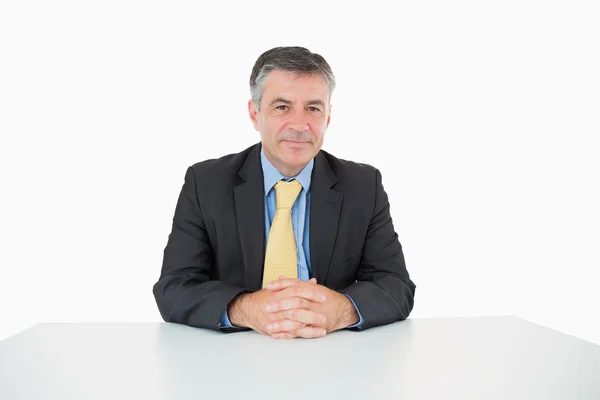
x=284 y=326
x=275 y=285
x=289 y=303
x=308 y=332
x=282 y=283
x=300 y=315
x=305 y=290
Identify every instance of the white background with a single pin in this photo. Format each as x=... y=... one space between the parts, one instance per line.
x=483 y=118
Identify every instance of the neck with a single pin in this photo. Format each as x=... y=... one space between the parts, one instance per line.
x=289 y=172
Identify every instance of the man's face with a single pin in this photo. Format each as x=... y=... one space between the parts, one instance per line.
x=293 y=118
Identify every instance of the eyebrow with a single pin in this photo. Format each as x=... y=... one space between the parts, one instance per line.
x=308 y=103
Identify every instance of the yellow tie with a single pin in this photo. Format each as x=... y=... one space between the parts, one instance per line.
x=281 y=258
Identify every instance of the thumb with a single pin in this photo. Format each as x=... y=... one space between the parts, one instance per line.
x=313 y=281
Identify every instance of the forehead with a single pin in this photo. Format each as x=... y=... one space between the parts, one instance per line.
x=293 y=85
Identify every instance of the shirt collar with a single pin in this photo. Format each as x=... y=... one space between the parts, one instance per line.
x=272 y=175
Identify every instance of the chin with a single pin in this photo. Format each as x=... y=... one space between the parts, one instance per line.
x=296 y=160
x=298 y=156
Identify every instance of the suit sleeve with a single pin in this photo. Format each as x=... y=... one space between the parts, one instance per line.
x=383 y=291
x=185 y=292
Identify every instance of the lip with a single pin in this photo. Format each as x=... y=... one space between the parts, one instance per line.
x=294 y=141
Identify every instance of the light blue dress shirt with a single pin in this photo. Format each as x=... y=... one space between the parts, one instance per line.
x=300 y=220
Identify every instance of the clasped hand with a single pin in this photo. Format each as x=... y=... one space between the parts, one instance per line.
x=292 y=308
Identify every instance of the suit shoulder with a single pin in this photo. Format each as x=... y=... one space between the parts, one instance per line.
x=227 y=165
x=348 y=168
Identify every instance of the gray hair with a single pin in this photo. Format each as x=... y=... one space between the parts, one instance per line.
x=294 y=59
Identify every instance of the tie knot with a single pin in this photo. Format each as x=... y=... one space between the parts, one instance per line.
x=286 y=193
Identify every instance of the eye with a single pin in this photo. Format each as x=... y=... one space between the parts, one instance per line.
x=314 y=109
x=281 y=108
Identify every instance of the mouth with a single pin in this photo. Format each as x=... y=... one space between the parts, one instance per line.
x=294 y=141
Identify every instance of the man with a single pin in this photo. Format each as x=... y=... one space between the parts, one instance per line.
x=284 y=238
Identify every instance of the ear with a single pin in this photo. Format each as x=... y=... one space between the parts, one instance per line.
x=328 y=117
x=252 y=112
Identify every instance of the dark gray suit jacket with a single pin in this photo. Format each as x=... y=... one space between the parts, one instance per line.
x=216 y=247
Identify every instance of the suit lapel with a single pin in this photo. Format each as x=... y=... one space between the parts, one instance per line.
x=250 y=214
x=325 y=205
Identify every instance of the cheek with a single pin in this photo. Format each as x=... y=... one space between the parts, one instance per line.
x=318 y=127
x=269 y=131
x=275 y=127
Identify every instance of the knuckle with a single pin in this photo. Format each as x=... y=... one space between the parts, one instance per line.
x=317 y=318
x=284 y=305
x=292 y=303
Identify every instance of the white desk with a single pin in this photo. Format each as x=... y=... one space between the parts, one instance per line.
x=448 y=358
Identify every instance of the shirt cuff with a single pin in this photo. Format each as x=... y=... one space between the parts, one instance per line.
x=360 y=322
x=224 y=321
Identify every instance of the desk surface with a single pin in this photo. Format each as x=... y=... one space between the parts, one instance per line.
x=446 y=358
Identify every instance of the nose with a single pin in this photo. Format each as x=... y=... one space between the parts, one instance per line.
x=298 y=121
